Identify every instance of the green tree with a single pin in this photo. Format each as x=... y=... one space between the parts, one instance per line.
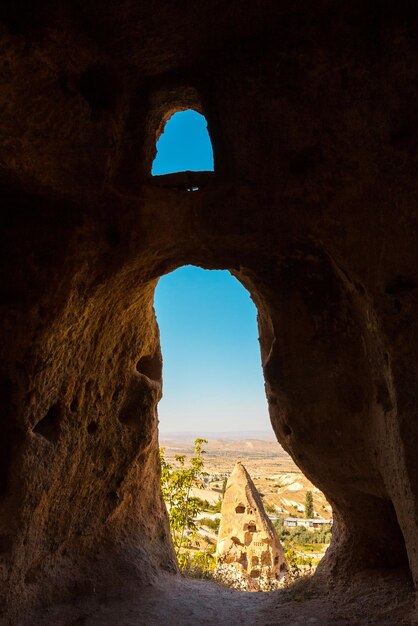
x=176 y=488
x=309 y=512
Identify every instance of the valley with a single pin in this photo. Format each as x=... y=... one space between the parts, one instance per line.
x=280 y=482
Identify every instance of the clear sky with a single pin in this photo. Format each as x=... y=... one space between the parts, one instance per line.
x=184 y=145
x=212 y=375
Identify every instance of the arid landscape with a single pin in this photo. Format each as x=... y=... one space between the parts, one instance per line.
x=278 y=479
x=279 y=482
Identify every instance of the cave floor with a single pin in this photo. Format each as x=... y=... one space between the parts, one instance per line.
x=380 y=598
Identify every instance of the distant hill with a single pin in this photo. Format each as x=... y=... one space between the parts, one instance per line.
x=190 y=436
x=247 y=445
x=227 y=447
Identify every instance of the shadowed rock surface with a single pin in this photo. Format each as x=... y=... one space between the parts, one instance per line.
x=311 y=108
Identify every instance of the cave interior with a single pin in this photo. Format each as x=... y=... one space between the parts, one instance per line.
x=312 y=206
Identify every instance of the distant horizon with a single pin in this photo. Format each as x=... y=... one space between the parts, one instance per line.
x=227 y=435
x=228 y=432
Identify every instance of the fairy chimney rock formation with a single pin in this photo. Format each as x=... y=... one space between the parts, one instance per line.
x=247 y=540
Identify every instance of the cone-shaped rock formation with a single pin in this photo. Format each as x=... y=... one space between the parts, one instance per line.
x=247 y=539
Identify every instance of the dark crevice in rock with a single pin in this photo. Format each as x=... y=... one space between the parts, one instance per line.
x=92 y=428
x=138 y=408
x=150 y=366
x=49 y=426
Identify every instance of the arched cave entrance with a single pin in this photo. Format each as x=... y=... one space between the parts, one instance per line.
x=107 y=477
x=370 y=546
x=213 y=388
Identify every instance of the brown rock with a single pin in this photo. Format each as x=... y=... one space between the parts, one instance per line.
x=313 y=206
x=247 y=539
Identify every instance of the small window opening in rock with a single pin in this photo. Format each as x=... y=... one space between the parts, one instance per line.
x=214 y=389
x=184 y=146
x=266 y=558
x=243 y=560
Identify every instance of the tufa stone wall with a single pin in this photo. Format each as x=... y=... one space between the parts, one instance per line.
x=311 y=109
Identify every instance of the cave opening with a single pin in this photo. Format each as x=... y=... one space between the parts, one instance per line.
x=312 y=206
x=213 y=388
x=184 y=155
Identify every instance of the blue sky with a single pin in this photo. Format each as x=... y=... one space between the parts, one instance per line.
x=184 y=145
x=212 y=376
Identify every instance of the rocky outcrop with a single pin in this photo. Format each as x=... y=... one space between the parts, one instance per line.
x=247 y=540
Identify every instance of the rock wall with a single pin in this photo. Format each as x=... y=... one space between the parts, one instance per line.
x=311 y=110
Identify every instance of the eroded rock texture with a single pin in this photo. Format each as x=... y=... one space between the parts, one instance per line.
x=248 y=546
x=311 y=108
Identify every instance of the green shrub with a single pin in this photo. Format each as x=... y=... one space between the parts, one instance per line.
x=214 y=508
x=213 y=524
x=301 y=535
x=197 y=564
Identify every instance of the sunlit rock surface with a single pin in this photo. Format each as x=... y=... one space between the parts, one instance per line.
x=247 y=540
